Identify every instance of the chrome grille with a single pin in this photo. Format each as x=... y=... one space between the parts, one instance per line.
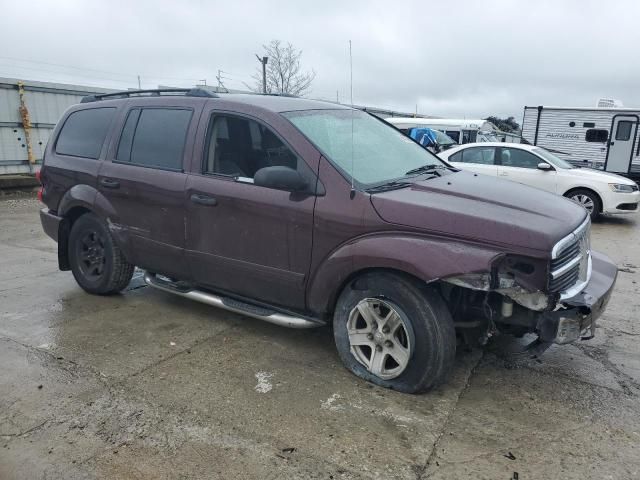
x=571 y=262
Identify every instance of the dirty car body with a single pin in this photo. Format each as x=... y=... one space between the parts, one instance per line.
x=274 y=208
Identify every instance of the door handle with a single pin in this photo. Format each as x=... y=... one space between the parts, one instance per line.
x=109 y=183
x=503 y=174
x=204 y=200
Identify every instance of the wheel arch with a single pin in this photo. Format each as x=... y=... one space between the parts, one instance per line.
x=77 y=201
x=424 y=259
x=589 y=189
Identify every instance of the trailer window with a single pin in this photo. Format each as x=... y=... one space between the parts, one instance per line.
x=623 y=131
x=596 y=135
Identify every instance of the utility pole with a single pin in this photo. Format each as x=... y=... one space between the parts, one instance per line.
x=263 y=61
x=220 y=82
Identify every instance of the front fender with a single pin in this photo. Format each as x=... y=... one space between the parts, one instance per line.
x=427 y=258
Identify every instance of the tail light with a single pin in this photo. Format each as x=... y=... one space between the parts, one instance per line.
x=41 y=189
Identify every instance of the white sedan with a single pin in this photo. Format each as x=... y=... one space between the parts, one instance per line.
x=598 y=192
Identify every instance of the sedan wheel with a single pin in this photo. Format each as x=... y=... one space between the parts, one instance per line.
x=585 y=201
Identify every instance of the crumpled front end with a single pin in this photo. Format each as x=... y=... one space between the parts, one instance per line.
x=559 y=299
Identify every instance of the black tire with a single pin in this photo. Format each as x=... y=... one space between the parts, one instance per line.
x=97 y=263
x=580 y=193
x=430 y=329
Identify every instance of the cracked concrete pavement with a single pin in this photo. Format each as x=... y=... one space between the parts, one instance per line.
x=148 y=385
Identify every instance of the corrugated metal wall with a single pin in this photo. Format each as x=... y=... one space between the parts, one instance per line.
x=46 y=102
x=555 y=133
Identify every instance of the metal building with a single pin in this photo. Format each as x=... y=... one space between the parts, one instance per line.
x=28 y=112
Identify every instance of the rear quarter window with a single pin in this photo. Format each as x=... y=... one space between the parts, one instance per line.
x=456 y=157
x=84 y=132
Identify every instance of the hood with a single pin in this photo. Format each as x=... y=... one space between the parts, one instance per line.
x=482 y=208
x=598 y=175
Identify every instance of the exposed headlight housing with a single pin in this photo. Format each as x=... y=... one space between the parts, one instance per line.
x=622 y=188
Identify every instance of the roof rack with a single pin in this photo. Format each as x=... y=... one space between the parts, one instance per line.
x=187 y=92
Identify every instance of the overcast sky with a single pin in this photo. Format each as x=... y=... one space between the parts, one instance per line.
x=451 y=59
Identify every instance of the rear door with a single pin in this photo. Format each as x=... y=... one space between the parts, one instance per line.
x=143 y=183
x=623 y=135
x=248 y=240
x=521 y=166
x=476 y=159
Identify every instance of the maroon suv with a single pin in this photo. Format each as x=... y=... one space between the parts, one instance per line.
x=304 y=213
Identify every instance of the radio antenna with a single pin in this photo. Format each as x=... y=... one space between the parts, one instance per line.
x=352 y=193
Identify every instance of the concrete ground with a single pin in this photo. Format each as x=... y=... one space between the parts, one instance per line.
x=148 y=385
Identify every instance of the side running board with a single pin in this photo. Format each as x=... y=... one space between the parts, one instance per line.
x=261 y=313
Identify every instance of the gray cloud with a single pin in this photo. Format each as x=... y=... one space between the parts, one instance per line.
x=464 y=58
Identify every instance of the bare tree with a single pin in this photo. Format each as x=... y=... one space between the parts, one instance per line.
x=284 y=72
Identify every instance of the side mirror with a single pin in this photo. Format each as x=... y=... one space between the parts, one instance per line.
x=544 y=166
x=280 y=178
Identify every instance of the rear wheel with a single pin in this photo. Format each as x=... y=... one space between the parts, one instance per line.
x=588 y=199
x=97 y=263
x=394 y=332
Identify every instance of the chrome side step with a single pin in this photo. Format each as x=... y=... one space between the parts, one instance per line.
x=229 y=304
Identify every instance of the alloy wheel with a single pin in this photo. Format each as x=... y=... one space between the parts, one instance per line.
x=585 y=201
x=379 y=337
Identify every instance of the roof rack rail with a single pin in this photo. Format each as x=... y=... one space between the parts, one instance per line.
x=187 y=92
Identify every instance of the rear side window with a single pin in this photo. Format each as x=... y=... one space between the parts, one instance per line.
x=456 y=157
x=84 y=132
x=596 y=135
x=154 y=137
x=481 y=155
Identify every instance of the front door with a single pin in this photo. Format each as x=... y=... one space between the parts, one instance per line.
x=623 y=135
x=244 y=239
x=520 y=166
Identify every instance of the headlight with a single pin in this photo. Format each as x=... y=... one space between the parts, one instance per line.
x=621 y=188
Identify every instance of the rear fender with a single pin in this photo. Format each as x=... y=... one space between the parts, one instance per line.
x=74 y=202
x=426 y=258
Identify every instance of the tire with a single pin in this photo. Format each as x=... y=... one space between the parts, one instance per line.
x=588 y=199
x=97 y=263
x=417 y=354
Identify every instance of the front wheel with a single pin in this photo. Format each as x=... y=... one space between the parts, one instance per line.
x=394 y=332
x=97 y=263
x=588 y=199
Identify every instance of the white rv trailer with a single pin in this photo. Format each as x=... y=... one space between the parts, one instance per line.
x=462 y=131
x=603 y=138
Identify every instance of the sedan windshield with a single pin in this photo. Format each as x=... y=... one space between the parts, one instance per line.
x=359 y=144
x=552 y=159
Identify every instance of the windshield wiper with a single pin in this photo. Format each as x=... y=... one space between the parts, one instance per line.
x=392 y=185
x=432 y=168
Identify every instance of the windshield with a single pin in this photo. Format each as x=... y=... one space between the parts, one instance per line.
x=443 y=139
x=379 y=152
x=552 y=159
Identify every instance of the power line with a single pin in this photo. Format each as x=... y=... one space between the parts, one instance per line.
x=86 y=69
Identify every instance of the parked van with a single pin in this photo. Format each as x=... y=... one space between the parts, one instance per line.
x=462 y=131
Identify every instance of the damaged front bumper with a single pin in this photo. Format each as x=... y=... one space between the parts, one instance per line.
x=575 y=317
